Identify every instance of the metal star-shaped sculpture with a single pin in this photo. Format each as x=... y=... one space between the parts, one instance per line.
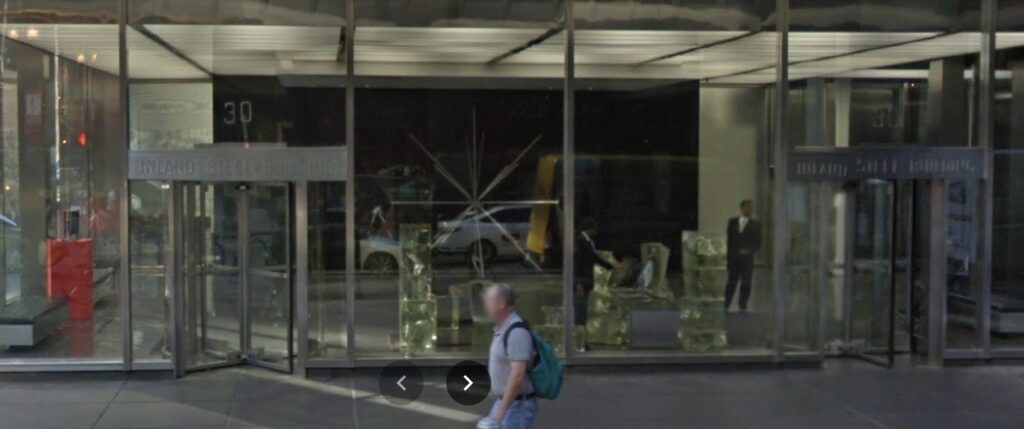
x=475 y=196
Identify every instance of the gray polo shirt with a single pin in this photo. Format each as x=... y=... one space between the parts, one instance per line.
x=520 y=348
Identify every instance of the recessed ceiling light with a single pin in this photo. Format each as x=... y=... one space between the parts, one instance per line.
x=80 y=58
x=32 y=33
x=13 y=34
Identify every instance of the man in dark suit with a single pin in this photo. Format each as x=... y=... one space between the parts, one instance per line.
x=743 y=239
x=584 y=260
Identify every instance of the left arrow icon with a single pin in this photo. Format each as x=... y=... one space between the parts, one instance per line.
x=401 y=383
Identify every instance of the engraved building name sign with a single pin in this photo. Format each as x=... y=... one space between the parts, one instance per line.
x=240 y=164
x=896 y=163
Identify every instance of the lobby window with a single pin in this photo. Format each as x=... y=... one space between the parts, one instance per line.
x=62 y=171
x=672 y=208
x=1008 y=178
x=458 y=165
x=238 y=75
x=861 y=81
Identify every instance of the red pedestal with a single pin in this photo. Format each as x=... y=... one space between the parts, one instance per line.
x=69 y=274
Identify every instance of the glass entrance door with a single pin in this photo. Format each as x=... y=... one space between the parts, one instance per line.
x=234 y=257
x=878 y=286
x=268 y=276
x=209 y=275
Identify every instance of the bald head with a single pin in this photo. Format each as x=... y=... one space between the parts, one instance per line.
x=500 y=301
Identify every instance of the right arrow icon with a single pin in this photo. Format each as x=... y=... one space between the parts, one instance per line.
x=468 y=383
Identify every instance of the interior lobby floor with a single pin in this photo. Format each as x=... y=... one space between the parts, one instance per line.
x=846 y=394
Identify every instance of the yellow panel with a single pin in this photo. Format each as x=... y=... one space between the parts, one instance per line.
x=540 y=219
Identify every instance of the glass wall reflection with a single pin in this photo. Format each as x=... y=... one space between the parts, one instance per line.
x=459 y=170
x=672 y=198
x=240 y=75
x=458 y=165
x=860 y=79
x=1008 y=182
x=62 y=173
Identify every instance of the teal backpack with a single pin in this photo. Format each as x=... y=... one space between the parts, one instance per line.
x=546 y=371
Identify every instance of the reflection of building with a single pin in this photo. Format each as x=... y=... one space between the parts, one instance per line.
x=280 y=244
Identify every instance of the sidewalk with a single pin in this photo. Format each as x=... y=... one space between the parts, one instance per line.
x=846 y=394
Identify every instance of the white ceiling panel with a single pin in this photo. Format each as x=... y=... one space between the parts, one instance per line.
x=96 y=45
x=805 y=46
x=1006 y=40
x=748 y=53
x=274 y=50
x=256 y=49
x=439 y=45
x=922 y=48
x=620 y=47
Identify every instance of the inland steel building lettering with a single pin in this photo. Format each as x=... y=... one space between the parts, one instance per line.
x=886 y=164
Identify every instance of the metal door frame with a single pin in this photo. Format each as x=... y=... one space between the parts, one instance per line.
x=888 y=360
x=177 y=276
x=247 y=273
x=933 y=271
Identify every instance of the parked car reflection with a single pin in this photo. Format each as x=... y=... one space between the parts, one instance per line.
x=479 y=236
x=375 y=253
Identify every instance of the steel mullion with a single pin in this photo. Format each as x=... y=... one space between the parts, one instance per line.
x=350 y=185
x=780 y=238
x=569 y=181
x=124 y=279
x=986 y=124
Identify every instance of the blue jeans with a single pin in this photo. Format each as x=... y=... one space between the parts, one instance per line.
x=519 y=416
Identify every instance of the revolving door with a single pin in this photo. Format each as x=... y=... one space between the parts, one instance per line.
x=234 y=275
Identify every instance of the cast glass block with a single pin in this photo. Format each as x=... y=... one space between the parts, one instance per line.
x=417 y=316
x=418 y=330
x=702 y=308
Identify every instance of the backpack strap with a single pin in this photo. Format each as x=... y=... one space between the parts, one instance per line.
x=526 y=326
x=518 y=325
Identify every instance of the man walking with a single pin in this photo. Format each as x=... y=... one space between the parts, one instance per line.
x=743 y=239
x=509 y=361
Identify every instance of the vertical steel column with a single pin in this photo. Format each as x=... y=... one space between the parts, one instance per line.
x=124 y=266
x=780 y=237
x=849 y=235
x=350 y=185
x=190 y=280
x=986 y=125
x=245 y=312
x=936 y=324
x=823 y=264
x=910 y=194
x=196 y=259
x=894 y=209
x=301 y=308
x=173 y=273
x=820 y=193
x=569 y=180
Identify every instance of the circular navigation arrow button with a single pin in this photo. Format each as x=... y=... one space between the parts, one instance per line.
x=468 y=383
x=401 y=383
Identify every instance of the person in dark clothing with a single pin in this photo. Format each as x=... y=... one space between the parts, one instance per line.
x=743 y=239
x=584 y=260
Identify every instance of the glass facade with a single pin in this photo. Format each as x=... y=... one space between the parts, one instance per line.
x=1006 y=271
x=63 y=185
x=883 y=84
x=668 y=143
x=636 y=170
x=458 y=154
